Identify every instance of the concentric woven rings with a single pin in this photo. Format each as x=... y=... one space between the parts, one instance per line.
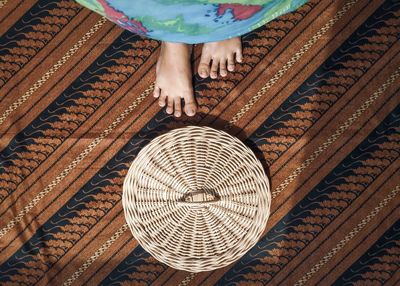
x=196 y=198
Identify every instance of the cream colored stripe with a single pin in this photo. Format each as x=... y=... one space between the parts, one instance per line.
x=291 y=62
x=349 y=236
x=96 y=255
x=75 y=162
x=2 y=3
x=337 y=133
x=52 y=70
x=187 y=279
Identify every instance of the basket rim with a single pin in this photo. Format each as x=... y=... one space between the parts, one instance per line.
x=265 y=195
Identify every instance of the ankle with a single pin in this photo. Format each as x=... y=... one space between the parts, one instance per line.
x=176 y=47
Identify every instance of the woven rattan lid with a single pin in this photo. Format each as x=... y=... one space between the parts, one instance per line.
x=196 y=198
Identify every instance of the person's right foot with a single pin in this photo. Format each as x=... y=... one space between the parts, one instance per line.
x=174 y=79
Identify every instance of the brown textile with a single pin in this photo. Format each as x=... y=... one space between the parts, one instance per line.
x=317 y=99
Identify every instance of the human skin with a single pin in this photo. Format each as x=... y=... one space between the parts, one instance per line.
x=174 y=73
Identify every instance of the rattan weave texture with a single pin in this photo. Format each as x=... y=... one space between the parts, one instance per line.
x=196 y=198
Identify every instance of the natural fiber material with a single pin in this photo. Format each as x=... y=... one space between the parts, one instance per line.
x=196 y=198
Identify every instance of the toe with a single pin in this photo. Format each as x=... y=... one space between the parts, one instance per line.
x=204 y=66
x=204 y=70
x=239 y=56
x=190 y=104
x=161 y=99
x=156 y=92
x=222 y=68
x=231 y=63
x=170 y=106
x=214 y=69
x=177 y=106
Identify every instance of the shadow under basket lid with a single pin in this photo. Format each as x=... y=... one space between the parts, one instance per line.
x=196 y=198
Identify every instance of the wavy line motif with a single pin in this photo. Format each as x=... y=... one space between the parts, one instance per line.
x=378 y=263
x=335 y=193
x=139 y=268
x=103 y=191
x=329 y=83
x=32 y=33
x=33 y=145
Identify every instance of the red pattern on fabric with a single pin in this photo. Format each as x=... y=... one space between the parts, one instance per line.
x=120 y=18
x=239 y=11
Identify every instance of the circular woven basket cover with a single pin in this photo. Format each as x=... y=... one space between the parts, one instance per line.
x=196 y=198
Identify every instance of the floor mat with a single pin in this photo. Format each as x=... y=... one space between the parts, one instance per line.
x=317 y=99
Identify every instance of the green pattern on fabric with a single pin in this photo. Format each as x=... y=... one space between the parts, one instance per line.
x=176 y=25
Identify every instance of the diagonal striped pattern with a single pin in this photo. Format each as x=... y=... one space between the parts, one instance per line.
x=75 y=162
x=342 y=128
x=349 y=236
x=52 y=70
x=317 y=99
x=99 y=252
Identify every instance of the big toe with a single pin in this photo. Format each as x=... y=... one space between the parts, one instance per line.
x=204 y=70
x=190 y=105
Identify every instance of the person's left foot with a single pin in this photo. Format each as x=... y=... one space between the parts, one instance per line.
x=223 y=55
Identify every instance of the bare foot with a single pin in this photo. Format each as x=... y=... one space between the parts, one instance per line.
x=222 y=55
x=174 y=79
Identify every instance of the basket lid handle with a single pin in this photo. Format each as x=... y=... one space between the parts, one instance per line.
x=199 y=198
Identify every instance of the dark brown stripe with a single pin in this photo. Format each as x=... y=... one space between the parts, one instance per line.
x=36 y=35
x=11 y=12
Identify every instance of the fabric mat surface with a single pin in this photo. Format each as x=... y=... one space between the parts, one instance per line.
x=317 y=99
